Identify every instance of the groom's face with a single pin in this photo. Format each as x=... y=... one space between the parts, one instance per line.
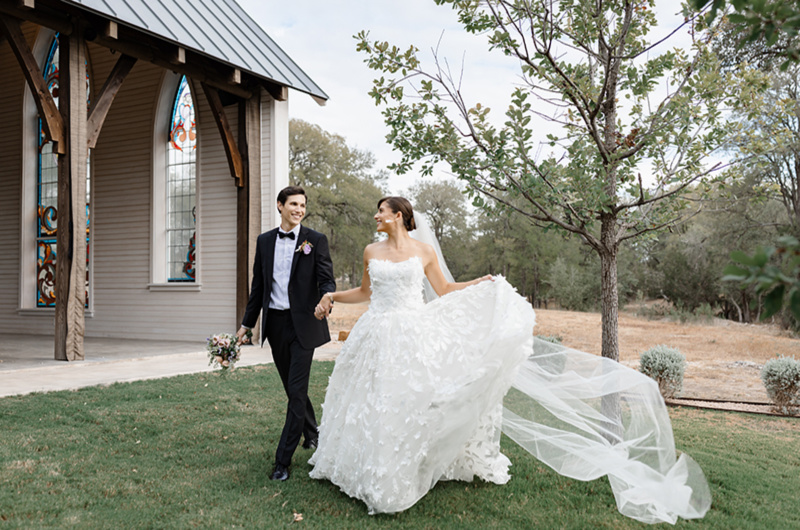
x=292 y=211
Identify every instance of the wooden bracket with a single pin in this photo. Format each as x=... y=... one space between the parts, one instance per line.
x=180 y=56
x=111 y=30
x=52 y=122
x=228 y=139
x=278 y=92
x=102 y=103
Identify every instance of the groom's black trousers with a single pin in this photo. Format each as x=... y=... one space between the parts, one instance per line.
x=294 y=366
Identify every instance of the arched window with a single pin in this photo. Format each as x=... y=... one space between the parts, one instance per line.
x=47 y=196
x=181 y=208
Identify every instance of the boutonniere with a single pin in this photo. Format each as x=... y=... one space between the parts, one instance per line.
x=306 y=247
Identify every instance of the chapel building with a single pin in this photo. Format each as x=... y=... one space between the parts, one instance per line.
x=141 y=150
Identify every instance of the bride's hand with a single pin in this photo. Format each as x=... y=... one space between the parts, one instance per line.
x=488 y=277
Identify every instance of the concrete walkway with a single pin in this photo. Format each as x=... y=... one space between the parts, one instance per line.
x=27 y=365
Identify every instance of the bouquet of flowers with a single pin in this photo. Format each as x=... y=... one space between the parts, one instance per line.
x=223 y=350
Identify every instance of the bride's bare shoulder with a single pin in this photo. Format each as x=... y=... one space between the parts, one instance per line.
x=425 y=251
x=372 y=250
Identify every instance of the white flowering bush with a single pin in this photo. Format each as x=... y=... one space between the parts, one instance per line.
x=781 y=378
x=666 y=366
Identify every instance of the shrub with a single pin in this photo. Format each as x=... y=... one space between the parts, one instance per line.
x=666 y=365
x=549 y=353
x=572 y=286
x=555 y=339
x=781 y=378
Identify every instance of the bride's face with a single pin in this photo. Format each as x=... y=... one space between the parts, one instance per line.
x=386 y=219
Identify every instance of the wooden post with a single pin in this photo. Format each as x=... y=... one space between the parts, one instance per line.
x=248 y=211
x=71 y=239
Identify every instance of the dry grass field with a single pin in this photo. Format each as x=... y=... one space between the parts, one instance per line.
x=724 y=357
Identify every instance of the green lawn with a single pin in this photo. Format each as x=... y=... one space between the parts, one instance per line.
x=195 y=451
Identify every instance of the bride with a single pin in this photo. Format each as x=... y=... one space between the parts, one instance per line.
x=416 y=395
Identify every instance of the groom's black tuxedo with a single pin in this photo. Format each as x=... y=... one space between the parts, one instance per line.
x=293 y=333
x=310 y=279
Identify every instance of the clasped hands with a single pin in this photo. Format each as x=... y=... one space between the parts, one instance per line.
x=324 y=307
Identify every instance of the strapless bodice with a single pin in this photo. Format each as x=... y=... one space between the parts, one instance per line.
x=396 y=286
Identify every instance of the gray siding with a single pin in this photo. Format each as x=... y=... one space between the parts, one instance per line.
x=123 y=305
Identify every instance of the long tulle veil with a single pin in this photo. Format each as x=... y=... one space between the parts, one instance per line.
x=587 y=416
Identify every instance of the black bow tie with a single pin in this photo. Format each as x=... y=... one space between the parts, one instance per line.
x=290 y=235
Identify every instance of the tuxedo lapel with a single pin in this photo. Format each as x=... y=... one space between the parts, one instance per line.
x=301 y=237
x=269 y=257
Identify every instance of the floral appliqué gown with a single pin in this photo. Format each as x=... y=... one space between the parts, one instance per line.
x=416 y=394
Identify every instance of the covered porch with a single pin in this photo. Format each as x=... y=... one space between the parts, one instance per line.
x=107 y=291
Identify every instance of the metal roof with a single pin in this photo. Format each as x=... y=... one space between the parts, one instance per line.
x=220 y=29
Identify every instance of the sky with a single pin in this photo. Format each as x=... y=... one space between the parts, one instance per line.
x=318 y=36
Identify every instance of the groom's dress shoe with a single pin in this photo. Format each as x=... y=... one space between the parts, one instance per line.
x=310 y=443
x=279 y=473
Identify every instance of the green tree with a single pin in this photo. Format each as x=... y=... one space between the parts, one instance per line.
x=768 y=137
x=445 y=206
x=684 y=263
x=515 y=247
x=767 y=126
x=775 y=23
x=592 y=63
x=343 y=190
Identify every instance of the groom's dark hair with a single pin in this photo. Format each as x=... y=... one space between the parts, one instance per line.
x=288 y=191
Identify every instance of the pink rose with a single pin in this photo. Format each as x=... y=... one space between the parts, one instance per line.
x=306 y=249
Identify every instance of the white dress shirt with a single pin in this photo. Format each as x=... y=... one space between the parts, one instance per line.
x=282 y=269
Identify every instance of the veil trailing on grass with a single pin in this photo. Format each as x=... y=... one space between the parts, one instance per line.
x=587 y=416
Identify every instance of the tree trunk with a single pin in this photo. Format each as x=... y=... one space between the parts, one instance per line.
x=608 y=288
x=610 y=403
x=746 y=307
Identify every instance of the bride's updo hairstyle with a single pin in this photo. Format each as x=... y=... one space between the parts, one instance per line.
x=401 y=204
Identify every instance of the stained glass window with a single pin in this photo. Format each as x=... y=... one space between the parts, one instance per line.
x=181 y=192
x=47 y=197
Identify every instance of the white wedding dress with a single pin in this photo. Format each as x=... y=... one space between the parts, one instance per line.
x=417 y=392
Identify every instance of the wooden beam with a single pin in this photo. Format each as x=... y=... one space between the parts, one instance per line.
x=110 y=30
x=56 y=20
x=71 y=235
x=228 y=140
x=102 y=103
x=52 y=122
x=196 y=67
x=248 y=197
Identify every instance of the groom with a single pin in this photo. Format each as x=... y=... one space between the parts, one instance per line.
x=291 y=272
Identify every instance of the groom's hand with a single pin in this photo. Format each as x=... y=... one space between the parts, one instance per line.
x=324 y=307
x=241 y=334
